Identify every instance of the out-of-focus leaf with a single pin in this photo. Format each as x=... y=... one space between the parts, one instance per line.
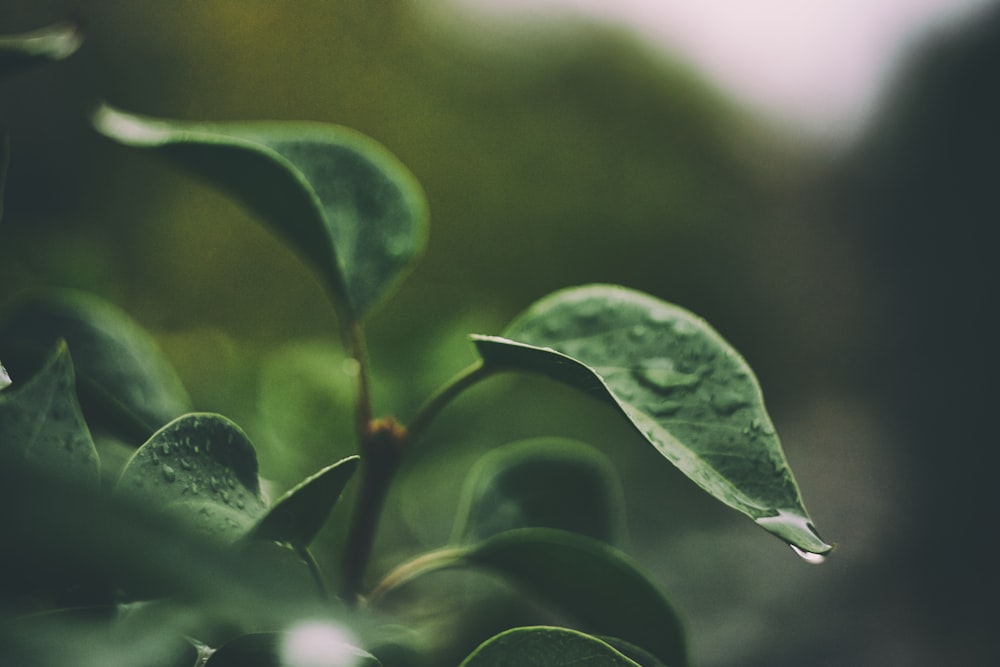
x=24 y=50
x=545 y=483
x=202 y=469
x=633 y=652
x=303 y=645
x=683 y=387
x=543 y=646
x=41 y=422
x=125 y=382
x=297 y=516
x=337 y=197
x=591 y=582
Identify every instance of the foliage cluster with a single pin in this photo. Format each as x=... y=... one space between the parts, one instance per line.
x=141 y=531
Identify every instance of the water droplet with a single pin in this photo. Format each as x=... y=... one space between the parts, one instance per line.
x=808 y=556
x=726 y=403
x=196 y=449
x=169 y=474
x=638 y=333
x=213 y=482
x=660 y=375
x=240 y=504
x=224 y=495
x=186 y=464
x=165 y=448
x=683 y=327
x=667 y=408
x=194 y=488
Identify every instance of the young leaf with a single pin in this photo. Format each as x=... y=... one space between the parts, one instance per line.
x=591 y=582
x=298 y=515
x=542 y=646
x=202 y=469
x=542 y=482
x=689 y=393
x=40 y=420
x=21 y=51
x=337 y=197
x=125 y=383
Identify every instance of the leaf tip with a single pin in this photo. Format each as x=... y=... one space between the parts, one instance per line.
x=127 y=128
x=800 y=534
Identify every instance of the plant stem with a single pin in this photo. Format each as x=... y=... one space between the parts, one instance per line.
x=436 y=403
x=381 y=450
x=359 y=351
x=309 y=559
x=382 y=443
x=411 y=569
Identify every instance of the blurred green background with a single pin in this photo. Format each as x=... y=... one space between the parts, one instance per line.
x=857 y=280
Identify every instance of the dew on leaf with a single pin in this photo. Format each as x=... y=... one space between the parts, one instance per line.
x=808 y=556
x=726 y=403
x=169 y=474
x=660 y=375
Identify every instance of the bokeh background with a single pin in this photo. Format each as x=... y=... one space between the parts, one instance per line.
x=820 y=187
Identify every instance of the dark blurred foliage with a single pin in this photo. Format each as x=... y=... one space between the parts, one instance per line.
x=920 y=196
x=857 y=284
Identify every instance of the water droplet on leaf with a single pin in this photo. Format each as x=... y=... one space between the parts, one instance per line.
x=169 y=474
x=808 y=556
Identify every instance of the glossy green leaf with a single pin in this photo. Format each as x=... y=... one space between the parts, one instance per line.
x=41 y=422
x=202 y=469
x=337 y=197
x=125 y=383
x=542 y=646
x=545 y=483
x=591 y=582
x=24 y=50
x=683 y=387
x=633 y=652
x=309 y=643
x=297 y=516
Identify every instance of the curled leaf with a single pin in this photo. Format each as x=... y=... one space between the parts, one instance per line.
x=297 y=516
x=337 y=197
x=683 y=387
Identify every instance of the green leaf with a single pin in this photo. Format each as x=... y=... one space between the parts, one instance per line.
x=336 y=196
x=591 y=582
x=686 y=390
x=202 y=469
x=298 y=515
x=542 y=646
x=24 y=50
x=125 y=382
x=41 y=422
x=542 y=482
x=309 y=643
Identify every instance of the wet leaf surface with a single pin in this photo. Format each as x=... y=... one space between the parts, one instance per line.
x=683 y=387
x=202 y=469
x=41 y=423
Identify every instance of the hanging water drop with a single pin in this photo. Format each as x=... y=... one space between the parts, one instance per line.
x=808 y=556
x=169 y=474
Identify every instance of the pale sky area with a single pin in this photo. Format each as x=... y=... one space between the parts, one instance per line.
x=817 y=64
